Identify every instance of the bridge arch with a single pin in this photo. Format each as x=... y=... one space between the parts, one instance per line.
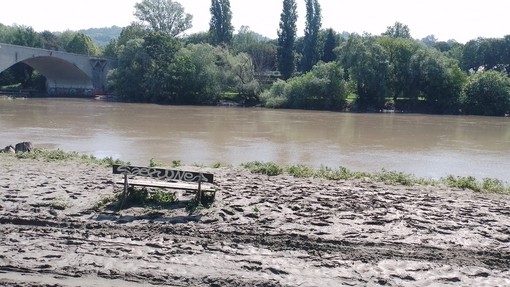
x=66 y=73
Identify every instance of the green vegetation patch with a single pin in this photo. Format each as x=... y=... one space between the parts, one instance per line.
x=138 y=197
x=386 y=176
x=60 y=155
x=268 y=168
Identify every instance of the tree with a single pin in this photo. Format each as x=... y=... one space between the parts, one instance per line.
x=329 y=46
x=197 y=75
x=26 y=36
x=164 y=16
x=50 y=41
x=438 y=79
x=286 y=39
x=126 y=78
x=158 y=82
x=81 y=44
x=313 y=26
x=133 y=31
x=262 y=53
x=145 y=69
x=398 y=30
x=367 y=63
x=400 y=51
x=220 y=26
x=487 y=93
x=322 y=88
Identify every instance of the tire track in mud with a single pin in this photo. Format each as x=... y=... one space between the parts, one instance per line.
x=355 y=250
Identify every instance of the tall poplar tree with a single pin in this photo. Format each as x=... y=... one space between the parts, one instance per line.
x=311 y=52
x=331 y=43
x=220 y=27
x=286 y=39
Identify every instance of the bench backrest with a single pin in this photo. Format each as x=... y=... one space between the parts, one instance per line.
x=165 y=174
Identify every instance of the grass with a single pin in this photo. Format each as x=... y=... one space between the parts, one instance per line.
x=386 y=176
x=140 y=197
x=60 y=155
x=268 y=168
x=272 y=169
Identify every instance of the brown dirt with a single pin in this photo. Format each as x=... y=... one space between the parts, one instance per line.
x=261 y=231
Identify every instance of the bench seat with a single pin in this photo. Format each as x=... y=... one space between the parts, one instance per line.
x=167 y=184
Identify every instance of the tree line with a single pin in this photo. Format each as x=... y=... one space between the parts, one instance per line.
x=327 y=70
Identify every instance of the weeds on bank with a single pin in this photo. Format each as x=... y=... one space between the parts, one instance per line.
x=386 y=176
x=194 y=205
x=60 y=155
x=268 y=168
x=138 y=197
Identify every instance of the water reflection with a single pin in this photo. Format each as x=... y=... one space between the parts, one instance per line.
x=427 y=145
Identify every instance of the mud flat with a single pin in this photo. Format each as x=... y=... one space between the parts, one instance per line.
x=261 y=231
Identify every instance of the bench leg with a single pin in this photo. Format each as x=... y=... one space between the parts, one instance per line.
x=199 y=193
x=125 y=193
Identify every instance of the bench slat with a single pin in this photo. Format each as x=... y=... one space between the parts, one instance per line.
x=164 y=174
x=175 y=185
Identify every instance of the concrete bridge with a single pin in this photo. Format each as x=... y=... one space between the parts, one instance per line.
x=66 y=74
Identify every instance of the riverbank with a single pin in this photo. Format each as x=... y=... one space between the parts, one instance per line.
x=261 y=231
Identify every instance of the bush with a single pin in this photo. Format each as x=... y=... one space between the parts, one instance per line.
x=268 y=168
x=487 y=93
x=300 y=171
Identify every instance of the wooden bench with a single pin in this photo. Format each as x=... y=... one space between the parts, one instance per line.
x=166 y=178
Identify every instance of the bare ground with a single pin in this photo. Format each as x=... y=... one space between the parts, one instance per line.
x=261 y=231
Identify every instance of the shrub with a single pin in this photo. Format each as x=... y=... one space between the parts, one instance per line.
x=268 y=168
x=300 y=171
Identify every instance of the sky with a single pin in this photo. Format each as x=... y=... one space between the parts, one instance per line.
x=461 y=20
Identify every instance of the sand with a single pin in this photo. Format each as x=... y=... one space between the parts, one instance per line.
x=261 y=231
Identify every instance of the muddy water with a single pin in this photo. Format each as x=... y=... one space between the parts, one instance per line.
x=426 y=145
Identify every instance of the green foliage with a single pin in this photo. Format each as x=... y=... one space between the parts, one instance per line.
x=487 y=93
x=195 y=205
x=102 y=36
x=483 y=54
x=438 y=78
x=165 y=16
x=26 y=36
x=104 y=201
x=142 y=197
x=197 y=75
x=300 y=171
x=144 y=69
x=394 y=177
x=220 y=27
x=276 y=96
x=262 y=53
x=82 y=44
x=60 y=155
x=341 y=173
x=322 y=88
x=367 y=63
x=286 y=39
x=400 y=81
x=268 y=168
x=385 y=176
x=220 y=165
x=331 y=43
x=462 y=182
x=176 y=163
x=238 y=75
x=495 y=186
x=311 y=39
x=398 y=30
x=154 y=163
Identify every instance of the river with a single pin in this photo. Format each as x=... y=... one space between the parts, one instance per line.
x=430 y=146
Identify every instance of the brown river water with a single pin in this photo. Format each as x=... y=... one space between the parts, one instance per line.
x=429 y=146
